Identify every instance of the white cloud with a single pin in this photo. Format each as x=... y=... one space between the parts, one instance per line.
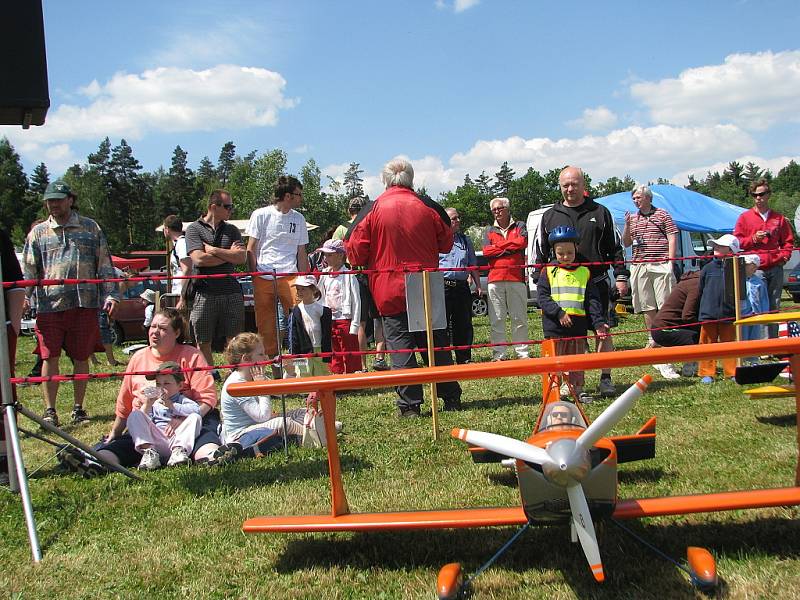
x=157 y=100
x=629 y=150
x=458 y=5
x=462 y=5
x=754 y=91
x=646 y=153
x=773 y=164
x=595 y=119
x=228 y=41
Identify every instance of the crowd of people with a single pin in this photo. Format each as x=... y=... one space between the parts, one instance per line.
x=171 y=415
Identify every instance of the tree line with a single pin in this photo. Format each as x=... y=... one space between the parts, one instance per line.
x=129 y=202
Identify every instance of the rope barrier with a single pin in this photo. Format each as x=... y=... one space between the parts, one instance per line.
x=402 y=268
x=289 y=357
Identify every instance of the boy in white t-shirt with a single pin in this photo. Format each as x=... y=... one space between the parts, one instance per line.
x=278 y=237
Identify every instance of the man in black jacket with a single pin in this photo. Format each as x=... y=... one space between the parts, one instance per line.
x=599 y=242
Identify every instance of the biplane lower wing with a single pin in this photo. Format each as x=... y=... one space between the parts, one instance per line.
x=681 y=505
x=503 y=517
x=426 y=519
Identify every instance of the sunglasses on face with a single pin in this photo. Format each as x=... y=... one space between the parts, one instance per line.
x=760 y=194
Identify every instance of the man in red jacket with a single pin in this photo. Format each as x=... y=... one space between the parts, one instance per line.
x=767 y=233
x=402 y=232
x=504 y=244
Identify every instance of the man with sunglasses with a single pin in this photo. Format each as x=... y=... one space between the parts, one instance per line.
x=768 y=234
x=215 y=247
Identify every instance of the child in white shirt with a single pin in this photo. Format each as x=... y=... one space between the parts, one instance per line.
x=340 y=293
x=167 y=423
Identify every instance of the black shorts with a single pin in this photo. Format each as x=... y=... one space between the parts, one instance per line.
x=368 y=309
x=604 y=291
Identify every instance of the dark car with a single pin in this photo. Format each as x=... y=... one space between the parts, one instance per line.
x=128 y=322
x=480 y=308
x=792 y=284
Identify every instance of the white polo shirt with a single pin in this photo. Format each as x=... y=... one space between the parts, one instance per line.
x=279 y=235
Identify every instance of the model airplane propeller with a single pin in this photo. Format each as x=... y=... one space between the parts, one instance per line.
x=566 y=462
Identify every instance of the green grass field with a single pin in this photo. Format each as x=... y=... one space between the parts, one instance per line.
x=177 y=532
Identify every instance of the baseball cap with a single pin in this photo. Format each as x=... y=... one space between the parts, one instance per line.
x=170 y=365
x=305 y=280
x=727 y=240
x=332 y=247
x=57 y=190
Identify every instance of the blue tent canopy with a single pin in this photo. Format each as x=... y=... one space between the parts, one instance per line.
x=690 y=210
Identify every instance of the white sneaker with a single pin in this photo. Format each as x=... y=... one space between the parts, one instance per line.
x=150 y=460
x=666 y=370
x=179 y=456
x=606 y=387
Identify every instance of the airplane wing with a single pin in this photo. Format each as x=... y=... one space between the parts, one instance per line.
x=681 y=505
x=426 y=519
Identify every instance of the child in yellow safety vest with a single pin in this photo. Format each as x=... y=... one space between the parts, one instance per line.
x=569 y=302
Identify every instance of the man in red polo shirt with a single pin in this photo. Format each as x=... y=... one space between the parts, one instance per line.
x=767 y=233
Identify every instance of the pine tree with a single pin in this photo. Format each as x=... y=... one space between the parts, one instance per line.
x=39 y=179
x=179 y=191
x=353 y=182
x=13 y=188
x=226 y=162
x=503 y=179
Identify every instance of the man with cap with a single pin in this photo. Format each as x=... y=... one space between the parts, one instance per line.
x=68 y=246
x=278 y=238
x=717 y=308
x=457 y=295
x=768 y=234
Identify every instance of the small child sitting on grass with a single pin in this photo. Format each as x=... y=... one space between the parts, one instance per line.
x=569 y=300
x=249 y=427
x=167 y=423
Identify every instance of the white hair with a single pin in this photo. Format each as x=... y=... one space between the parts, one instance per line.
x=644 y=190
x=398 y=171
x=500 y=202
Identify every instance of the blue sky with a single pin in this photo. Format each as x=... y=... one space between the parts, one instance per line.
x=647 y=89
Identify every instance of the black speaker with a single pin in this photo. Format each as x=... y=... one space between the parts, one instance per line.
x=24 y=95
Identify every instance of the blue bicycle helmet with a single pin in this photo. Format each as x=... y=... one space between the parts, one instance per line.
x=563 y=233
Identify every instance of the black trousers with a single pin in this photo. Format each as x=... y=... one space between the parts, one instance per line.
x=685 y=336
x=398 y=337
x=458 y=303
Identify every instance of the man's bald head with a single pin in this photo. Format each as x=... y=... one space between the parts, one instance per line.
x=572 y=185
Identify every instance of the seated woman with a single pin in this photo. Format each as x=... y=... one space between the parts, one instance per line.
x=249 y=427
x=562 y=415
x=165 y=336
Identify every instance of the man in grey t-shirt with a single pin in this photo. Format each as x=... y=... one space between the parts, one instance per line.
x=215 y=247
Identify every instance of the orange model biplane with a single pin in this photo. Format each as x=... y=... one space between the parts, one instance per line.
x=566 y=469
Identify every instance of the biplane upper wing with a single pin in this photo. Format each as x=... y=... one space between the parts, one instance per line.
x=681 y=505
x=426 y=519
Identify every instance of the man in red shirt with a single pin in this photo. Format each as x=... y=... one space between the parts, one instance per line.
x=402 y=232
x=767 y=233
x=504 y=243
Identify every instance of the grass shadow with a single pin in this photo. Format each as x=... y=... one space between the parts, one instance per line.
x=645 y=475
x=779 y=420
x=499 y=402
x=548 y=549
x=249 y=473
